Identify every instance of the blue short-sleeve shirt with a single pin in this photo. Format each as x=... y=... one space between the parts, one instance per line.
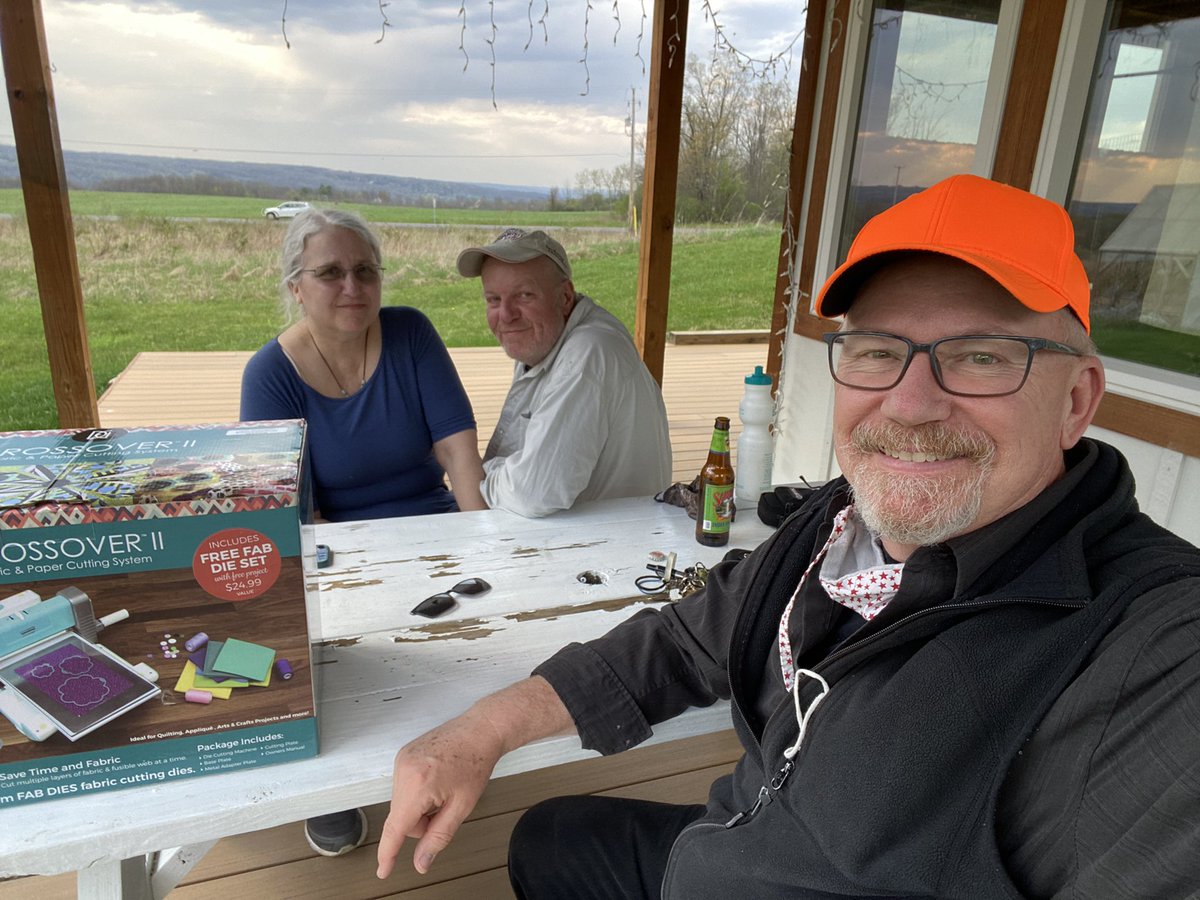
x=372 y=453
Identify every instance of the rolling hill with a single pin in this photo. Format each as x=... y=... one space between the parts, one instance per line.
x=119 y=171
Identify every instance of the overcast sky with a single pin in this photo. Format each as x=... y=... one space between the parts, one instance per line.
x=215 y=79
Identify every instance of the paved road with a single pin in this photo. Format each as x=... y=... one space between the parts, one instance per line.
x=597 y=228
x=602 y=229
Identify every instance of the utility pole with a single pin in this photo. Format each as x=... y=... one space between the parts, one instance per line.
x=632 y=146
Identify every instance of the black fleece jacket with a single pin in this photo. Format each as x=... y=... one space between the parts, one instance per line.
x=1021 y=720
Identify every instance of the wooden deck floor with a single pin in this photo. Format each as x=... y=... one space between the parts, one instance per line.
x=193 y=388
x=277 y=863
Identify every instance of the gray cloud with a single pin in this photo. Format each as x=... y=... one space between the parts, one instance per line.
x=214 y=78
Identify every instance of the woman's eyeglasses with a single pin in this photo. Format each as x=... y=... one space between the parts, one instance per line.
x=363 y=273
x=439 y=604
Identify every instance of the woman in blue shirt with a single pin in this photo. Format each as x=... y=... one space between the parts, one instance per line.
x=387 y=415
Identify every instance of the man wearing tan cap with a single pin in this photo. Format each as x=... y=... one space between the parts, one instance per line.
x=967 y=669
x=584 y=419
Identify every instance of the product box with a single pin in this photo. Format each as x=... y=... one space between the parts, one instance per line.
x=152 y=606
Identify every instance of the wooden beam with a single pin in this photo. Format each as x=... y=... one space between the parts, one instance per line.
x=664 y=111
x=1147 y=421
x=804 y=322
x=1028 y=91
x=47 y=210
x=798 y=156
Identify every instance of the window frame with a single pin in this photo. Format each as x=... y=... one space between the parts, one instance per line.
x=1153 y=405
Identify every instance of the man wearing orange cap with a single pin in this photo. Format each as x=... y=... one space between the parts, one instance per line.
x=967 y=669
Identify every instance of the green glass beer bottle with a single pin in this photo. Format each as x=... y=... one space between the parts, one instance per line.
x=715 y=510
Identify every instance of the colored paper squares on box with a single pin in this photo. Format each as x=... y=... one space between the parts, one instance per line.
x=228 y=682
x=211 y=649
x=244 y=659
x=206 y=657
x=187 y=681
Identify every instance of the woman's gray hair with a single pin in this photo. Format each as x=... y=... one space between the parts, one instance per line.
x=304 y=226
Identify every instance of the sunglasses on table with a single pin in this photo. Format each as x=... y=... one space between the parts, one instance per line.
x=441 y=603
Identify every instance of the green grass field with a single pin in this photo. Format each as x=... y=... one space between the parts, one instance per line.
x=103 y=203
x=162 y=283
x=167 y=272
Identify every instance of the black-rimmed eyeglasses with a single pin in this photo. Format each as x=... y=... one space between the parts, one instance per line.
x=363 y=273
x=439 y=604
x=969 y=365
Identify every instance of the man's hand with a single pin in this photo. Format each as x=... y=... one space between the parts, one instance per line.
x=437 y=780
x=440 y=776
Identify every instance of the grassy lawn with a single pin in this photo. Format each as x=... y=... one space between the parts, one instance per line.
x=103 y=203
x=154 y=283
x=1146 y=344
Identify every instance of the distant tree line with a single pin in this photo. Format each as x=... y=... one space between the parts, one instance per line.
x=735 y=133
x=210 y=185
x=197 y=184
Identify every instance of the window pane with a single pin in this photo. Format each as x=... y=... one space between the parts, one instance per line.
x=1136 y=196
x=926 y=78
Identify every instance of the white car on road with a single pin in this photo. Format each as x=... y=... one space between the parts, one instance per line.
x=285 y=210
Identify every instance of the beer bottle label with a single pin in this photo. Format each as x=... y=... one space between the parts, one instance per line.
x=720 y=441
x=717 y=507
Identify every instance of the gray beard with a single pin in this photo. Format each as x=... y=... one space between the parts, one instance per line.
x=914 y=510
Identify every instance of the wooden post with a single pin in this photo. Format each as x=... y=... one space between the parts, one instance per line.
x=47 y=210
x=664 y=109
x=1035 y=55
x=805 y=323
x=802 y=132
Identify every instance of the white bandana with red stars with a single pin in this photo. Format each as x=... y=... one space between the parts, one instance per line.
x=866 y=589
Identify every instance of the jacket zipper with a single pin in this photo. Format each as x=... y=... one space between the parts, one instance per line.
x=766 y=793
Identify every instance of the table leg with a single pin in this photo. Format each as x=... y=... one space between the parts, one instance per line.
x=128 y=879
x=149 y=877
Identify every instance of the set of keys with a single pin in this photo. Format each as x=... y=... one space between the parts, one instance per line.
x=667 y=580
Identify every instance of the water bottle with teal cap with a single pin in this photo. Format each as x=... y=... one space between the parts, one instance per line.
x=755 y=444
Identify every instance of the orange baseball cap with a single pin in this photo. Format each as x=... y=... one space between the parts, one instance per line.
x=1024 y=242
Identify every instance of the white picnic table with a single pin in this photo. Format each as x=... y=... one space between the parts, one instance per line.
x=385 y=676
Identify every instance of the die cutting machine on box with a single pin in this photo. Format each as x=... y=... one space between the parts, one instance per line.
x=33 y=628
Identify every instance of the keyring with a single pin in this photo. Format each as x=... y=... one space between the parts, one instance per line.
x=650 y=584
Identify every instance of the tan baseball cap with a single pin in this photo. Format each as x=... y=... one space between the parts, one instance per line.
x=514 y=245
x=1023 y=241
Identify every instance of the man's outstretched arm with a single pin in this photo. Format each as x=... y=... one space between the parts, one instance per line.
x=440 y=776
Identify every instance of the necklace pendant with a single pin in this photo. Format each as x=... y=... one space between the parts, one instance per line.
x=329 y=368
